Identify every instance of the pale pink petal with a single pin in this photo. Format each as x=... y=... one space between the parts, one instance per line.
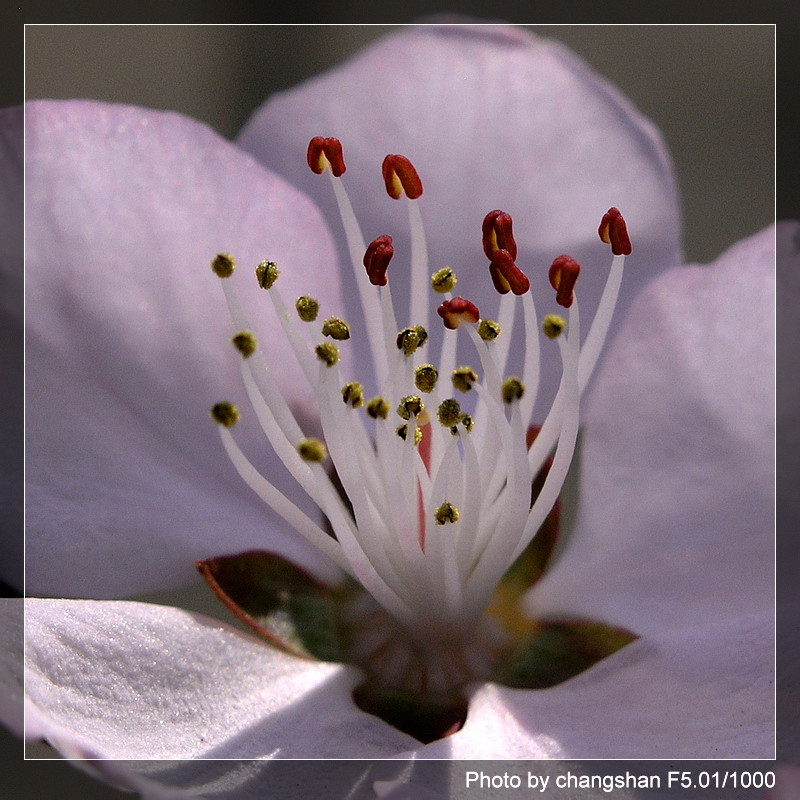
x=492 y=117
x=675 y=523
x=123 y=680
x=129 y=343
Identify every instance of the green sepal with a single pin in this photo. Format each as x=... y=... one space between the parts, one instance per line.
x=553 y=652
x=281 y=602
x=427 y=716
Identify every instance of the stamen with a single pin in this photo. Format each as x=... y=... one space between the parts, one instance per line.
x=402 y=432
x=489 y=330
x=307 y=308
x=512 y=389
x=225 y=414
x=378 y=407
x=282 y=506
x=614 y=231
x=463 y=378
x=564 y=272
x=425 y=377
x=353 y=394
x=401 y=178
x=553 y=325
x=246 y=343
x=449 y=412
x=312 y=450
x=446 y=512
x=267 y=273
x=590 y=352
x=456 y=311
x=336 y=328
x=376 y=259
x=223 y=265
x=374 y=314
x=497 y=234
x=326 y=153
x=409 y=339
x=444 y=280
x=387 y=511
x=411 y=405
x=506 y=275
x=327 y=353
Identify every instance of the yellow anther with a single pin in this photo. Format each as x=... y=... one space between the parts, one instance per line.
x=444 y=280
x=307 y=308
x=402 y=432
x=446 y=512
x=513 y=389
x=489 y=330
x=353 y=394
x=449 y=412
x=246 y=343
x=409 y=339
x=223 y=265
x=553 y=326
x=225 y=414
x=411 y=405
x=463 y=378
x=312 y=450
x=266 y=274
x=378 y=407
x=425 y=377
x=336 y=328
x=328 y=353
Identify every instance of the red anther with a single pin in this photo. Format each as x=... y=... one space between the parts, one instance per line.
x=506 y=275
x=497 y=234
x=401 y=177
x=614 y=231
x=564 y=272
x=377 y=258
x=323 y=153
x=456 y=311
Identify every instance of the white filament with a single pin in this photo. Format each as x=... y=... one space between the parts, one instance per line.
x=416 y=569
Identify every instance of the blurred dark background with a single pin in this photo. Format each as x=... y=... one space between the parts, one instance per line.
x=709 y=88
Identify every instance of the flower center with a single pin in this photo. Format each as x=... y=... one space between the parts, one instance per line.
x=435 y=469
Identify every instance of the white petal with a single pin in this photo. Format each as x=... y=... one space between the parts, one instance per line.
x=129 y=342
x=675 y=522
x=124 y=680
x=700 y=693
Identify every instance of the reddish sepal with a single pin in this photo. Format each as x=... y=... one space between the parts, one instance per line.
x=564 y=272
x=377 y=258
x=614 y=231
x=498 y=235
x=326 y=152
x=401 y=177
